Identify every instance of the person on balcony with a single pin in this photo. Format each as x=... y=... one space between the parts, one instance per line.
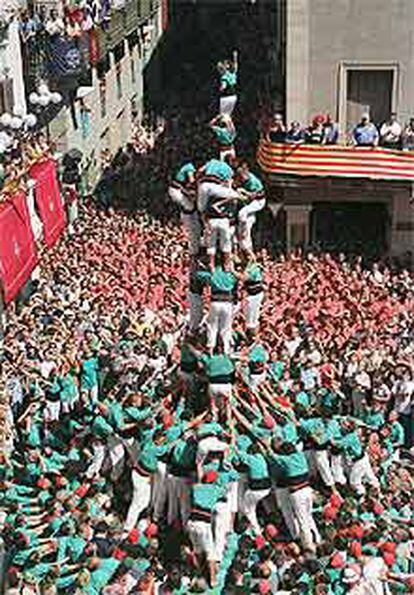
x=408 y=136
x=314 y=133
x=390 y=133
x=277 y=131
x=295 y=135
x=330 y=131
x=365 y=134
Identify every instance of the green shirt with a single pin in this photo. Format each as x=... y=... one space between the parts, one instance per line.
x=256 y=464
x=218 y=169
x=218 y=366
x=206 y=495
x=184 y=173
x=252 y=184
x=289 y=466
x=89 y=373
x=222 y=281
x=224 y=136
x=101 y=576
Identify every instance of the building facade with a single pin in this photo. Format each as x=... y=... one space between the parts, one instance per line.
x=112 y=98
x=347 y=57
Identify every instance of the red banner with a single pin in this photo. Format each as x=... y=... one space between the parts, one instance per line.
x=48 y=200
x=374 y=163
x=18 y=255
x=164 y=14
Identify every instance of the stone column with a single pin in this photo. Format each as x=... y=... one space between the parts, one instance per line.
x=297 y=225
x=297 y=60
x=402 y=227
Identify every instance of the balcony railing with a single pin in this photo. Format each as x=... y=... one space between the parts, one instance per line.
x=375 y=163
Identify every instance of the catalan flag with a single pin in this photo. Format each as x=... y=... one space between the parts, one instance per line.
x=374 y=163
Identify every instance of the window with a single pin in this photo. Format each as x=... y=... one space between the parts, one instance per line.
x=102 y=98
x=371 y=88
x=6 y=95
x=133 y=73
x=369 y=91
x=118 y=75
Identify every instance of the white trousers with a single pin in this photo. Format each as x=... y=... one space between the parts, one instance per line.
x=247 y=218
x=338 y=471
x=52 y=410
x=192 y=225
x=210 y=443
x=255 y=380
x=196 y=310
x=201 y=535
x=178 y=489
x=219 y=324
x=362 y=472
x=117 y=456
x=222 y=527
x=358 y=401
x=98 y=457
x=159 y=491
x=253 y=308
x=284 y=504
x=319 y=462
x=250 y=501
x=141 y=499
x=227 y=151
x=302 y=505
x=219 y=233
x=207 y=190
x=220 y=394
x=227 y=104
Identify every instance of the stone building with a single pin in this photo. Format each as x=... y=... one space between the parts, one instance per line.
x=346 y=57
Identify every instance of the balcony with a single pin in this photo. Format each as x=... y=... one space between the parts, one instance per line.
x=287 y=161
x=125 y=20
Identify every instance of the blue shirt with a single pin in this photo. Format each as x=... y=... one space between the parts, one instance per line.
x=365 y=134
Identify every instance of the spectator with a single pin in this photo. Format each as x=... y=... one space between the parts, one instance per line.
x=330 y=131
x=314 y=133
x=365 y=134
x=390 y=133
x=408 y=136
x=277 y=130
x=295 y=135
x=54 y=24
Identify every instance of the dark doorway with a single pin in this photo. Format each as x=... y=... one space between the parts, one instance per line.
x=350 y=227
x=369 y=91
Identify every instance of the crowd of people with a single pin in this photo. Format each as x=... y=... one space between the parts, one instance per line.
x=183 y=414
x=323 y=130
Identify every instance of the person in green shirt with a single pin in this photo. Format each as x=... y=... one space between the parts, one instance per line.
x=253 y=201
x=257 y=359
x=361 y=471
x=253 y=285
x=89 y=378
x=228 y=84
x=223 y=285
x=199 y=279
x=258 y=483
x=182 y=191
x=204 y=498
x=225 y=134
x=220 y=372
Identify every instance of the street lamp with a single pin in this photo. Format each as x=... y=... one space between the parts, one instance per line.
x=42 y=100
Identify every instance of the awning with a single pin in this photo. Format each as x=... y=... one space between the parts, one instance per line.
x=374 y=163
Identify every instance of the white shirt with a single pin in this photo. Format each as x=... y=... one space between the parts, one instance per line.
x=391 y=132
x=363 y=380
x=403 y=392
